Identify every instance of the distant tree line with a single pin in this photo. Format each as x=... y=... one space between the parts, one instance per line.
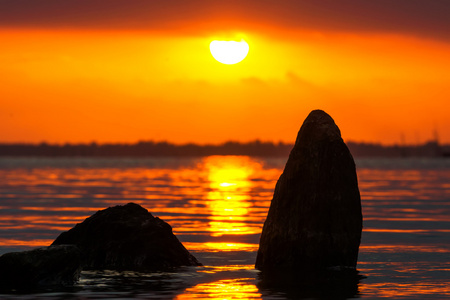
x=147 y=149
x=254 y=148
x=429 y=149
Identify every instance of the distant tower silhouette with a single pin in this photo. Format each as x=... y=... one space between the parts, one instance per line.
x=436 y=148
x=402 y=147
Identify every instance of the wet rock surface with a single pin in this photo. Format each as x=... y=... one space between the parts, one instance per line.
x=47 y=267
x=127 y=238
x=314 y=222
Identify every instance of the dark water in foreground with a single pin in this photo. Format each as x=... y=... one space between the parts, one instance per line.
x=217 y=206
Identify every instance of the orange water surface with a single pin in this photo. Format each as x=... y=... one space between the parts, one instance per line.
x=217 y=206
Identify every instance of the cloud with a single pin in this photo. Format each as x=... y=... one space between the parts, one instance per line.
x=295 y=79
x=254 y=82
x=425 y=18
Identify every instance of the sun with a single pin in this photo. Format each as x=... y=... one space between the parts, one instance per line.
x=229 y=52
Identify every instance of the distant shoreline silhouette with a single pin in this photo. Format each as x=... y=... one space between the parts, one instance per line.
x=254 y=148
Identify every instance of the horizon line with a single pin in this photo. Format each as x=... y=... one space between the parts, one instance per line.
x=255 y=141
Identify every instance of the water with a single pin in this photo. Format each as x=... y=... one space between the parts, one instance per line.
x=217 y=206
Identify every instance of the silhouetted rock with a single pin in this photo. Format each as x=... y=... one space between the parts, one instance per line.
x=40 y=268
x=127 y=238
x=314 y=222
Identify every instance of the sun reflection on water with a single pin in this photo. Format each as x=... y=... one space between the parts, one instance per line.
x=229 y=197
x=223 y=289
x=221 y=247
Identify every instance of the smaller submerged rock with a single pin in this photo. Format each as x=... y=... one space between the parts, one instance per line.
x=127 y=238
x=54 y=266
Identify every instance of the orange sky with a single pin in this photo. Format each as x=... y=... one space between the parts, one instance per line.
x=143 y=71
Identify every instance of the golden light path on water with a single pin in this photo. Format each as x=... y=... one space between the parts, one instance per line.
x=223 y=289
x=217 y=206
x=229 y=197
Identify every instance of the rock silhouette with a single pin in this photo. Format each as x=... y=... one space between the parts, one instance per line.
x=314 y=222
x=127 y=238
x=54 y=266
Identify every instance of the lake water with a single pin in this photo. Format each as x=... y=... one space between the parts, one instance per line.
x=217 y=206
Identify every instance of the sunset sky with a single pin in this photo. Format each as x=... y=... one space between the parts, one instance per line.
x=124 y=71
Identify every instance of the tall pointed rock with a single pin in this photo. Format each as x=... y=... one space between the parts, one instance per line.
x=315 y=220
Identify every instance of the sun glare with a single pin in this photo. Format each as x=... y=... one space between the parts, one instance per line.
x=229 y=52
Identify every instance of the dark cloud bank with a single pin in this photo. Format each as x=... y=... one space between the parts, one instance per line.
x=425 y=18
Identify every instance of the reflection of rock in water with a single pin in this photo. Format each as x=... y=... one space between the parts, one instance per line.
x=127 y=238
x=314 y=222
x=330 y=285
